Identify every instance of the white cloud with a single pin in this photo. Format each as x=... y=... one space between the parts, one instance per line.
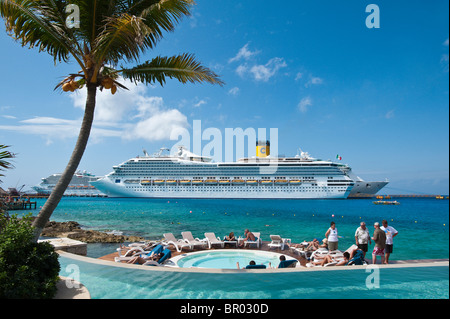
x=200 y=103
x=265 y=72
x=244 y=53
x=298 y=76
x=389 y=115
x=314 y=80
x=9 y=117
x=158 y=126
x=128 y=115
x=304 y=104
x=234 y=91
x=242 y=70
x=445 y=43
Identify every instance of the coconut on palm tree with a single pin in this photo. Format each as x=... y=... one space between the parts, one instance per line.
x=108 y=32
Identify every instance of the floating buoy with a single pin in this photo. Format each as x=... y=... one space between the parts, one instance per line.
x=190 y=212
x=332 y=215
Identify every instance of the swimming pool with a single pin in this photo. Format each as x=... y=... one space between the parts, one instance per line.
x=109 y=280
x=226 y=259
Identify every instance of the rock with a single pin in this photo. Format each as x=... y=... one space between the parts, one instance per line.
x=73 y=230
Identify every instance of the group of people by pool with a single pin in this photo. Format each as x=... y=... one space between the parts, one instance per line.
x=383 y=237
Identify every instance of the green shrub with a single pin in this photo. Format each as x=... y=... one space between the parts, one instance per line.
x=27 y=269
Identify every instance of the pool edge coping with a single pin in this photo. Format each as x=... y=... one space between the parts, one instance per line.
x=427 y=263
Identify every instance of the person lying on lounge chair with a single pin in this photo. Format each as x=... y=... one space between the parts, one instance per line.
x=142 y=260
x=248 y=235
x=322 y=261
x=230 y=237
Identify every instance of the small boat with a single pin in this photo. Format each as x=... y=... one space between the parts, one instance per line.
x=281 y=181
x=171 y=182
x=295 y=182
x=211 y=182
x=266 y=182
x=252 y=182
x=224 y=181
x=238 y=181
x=386 y=202
x=146 y=182
x=185 y=181
x=158 y=182
x=197 y=182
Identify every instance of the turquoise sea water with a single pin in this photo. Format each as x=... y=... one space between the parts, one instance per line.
x=422 y=225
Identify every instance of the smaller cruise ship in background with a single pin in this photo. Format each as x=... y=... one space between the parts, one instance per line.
x=79 y=185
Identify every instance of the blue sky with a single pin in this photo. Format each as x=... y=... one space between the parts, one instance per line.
x=312 y=69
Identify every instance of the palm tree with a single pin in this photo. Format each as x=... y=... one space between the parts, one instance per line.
x=108 y=32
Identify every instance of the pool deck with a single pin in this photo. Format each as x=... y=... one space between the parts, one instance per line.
x=264 y=247
x=302 y=260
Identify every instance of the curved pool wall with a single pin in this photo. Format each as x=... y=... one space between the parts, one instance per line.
x=109 y=280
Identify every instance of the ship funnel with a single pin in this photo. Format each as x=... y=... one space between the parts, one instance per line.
x=262 y=148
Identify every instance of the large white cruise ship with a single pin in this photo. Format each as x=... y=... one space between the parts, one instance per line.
x=187 y=175
x=79 y=185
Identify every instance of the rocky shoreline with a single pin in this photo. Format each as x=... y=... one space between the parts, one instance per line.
x=73 y=230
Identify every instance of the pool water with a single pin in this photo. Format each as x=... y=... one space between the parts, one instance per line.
x=112 y=282
x=227 y=259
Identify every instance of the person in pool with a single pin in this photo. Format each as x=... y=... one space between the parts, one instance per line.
x=248 y=235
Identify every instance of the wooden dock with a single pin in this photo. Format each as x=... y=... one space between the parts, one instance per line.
x=20 y=205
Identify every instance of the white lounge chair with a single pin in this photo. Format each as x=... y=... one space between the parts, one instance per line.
x=278 y=242
x=257 y=242
x=194 y=242
x=179 y=244
x=213 y=240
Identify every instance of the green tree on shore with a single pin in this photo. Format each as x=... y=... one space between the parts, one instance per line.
x=106 y=33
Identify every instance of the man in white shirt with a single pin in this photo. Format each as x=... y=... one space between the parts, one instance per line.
x=391 y=232
x=362 y=238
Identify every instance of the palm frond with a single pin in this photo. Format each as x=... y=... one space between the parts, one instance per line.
x=122 y=37
x=38 y=24
x=183 y=67
x=5 y=157
x=139 y=27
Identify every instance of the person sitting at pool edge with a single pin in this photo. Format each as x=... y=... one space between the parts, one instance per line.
x=251 y=263
x=248 y=235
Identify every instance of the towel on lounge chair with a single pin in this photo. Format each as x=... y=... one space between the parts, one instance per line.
x=288 y=263
x=167 y=254
x=358 y=258
x=255 y=267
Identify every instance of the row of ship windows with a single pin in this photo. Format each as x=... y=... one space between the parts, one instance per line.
x=228 y=188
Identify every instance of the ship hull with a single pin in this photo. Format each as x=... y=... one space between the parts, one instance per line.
x=111 y=189
x=363 y=188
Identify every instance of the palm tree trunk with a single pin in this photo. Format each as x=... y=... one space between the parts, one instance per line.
x=57 y=193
